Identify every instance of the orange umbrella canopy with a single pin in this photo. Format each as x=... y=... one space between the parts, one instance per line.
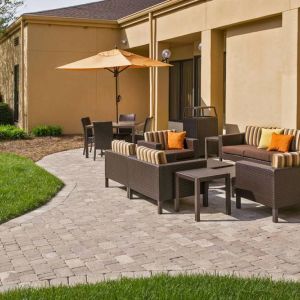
x=116 y=61
x=112 y=59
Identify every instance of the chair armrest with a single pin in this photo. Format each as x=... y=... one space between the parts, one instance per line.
x=193 y=144
x=151 y=145
x=232 y=139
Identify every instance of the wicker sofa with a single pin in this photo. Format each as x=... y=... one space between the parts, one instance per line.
x=158 y=140
x=267 y=177
x=155 y=181
x=243 y=146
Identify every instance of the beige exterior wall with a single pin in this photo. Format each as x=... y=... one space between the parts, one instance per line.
x=261 y=38
x=253 y=74
x=63 y=97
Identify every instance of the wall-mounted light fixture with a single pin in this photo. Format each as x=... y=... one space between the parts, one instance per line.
x=166 y=55
x=200 y=46
x=124 y=42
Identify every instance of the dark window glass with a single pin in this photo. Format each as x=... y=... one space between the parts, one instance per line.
x=16 y=93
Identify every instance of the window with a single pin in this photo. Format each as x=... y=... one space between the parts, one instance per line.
x=16 y=93
x=184 y=89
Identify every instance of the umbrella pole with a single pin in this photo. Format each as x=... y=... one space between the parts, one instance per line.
x=116 y=74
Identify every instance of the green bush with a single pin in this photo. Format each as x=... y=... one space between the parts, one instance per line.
x=6 y=114
x=47 y=130
x=10 y=132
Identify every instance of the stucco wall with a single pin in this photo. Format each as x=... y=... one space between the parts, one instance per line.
x=63 y=97
x=253 y=74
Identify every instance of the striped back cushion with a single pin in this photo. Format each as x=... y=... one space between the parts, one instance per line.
x=123 y=147
x=156 y=157
x=160 y=137
x=295 y=146
x=284 y=160
x=252 y=135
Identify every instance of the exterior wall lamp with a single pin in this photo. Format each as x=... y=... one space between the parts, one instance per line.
x=200 y=47
x=166 y=55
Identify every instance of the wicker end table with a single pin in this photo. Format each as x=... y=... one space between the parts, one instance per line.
x=205 y=176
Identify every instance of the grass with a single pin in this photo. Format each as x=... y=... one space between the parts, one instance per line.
x=165 y=287
x=24 y=186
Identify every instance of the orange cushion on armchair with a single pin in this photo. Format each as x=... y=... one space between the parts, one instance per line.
x=280 y=142
x=176 y=140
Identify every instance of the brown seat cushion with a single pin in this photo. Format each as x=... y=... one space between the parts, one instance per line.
x=174 y=155
x=236 y=150
x=250 y=152
x=259 y=154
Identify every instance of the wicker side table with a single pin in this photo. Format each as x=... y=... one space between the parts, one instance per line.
x=205 y=176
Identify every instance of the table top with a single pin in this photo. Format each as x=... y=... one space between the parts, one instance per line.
x=124 y=124
x=216 y=164
x=206 y=174
x=212 y=138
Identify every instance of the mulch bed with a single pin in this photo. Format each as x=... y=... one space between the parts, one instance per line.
x=37 y=148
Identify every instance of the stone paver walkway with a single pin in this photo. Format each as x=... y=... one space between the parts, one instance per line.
x=88 y=233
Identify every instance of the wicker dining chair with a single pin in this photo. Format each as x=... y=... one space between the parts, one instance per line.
x=124 y=133
x=139 y=135
x=86 y=121
x=103 y=136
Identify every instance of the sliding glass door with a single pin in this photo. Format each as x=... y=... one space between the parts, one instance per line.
x=184 y=87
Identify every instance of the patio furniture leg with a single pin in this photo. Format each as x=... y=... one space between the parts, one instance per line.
x=197 y=199
x=86 y=146
x=177 y=200
x=238 y=201
x=228 y=194
x=205 y=194
x=129 y=193
x=106 y=182
x=94 y=153
x=91 y=148
x=159 y=207
x=275 y=215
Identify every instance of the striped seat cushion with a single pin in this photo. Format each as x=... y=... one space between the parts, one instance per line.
x=252 y=135
x=295 y=146
x=156 y=157
x=285 y=160
x=123 y=147
x=160 y=137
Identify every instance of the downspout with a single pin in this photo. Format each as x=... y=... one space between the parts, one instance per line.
x=24 y=117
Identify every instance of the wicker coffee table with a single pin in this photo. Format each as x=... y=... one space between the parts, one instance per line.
x=204 y=176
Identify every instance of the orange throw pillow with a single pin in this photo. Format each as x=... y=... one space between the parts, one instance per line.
x=280 y=142
x=176 y=140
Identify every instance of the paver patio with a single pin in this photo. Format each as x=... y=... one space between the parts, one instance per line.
x=88 y=233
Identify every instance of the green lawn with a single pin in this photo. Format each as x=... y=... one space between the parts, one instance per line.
x=164 y=287
x=23 y=186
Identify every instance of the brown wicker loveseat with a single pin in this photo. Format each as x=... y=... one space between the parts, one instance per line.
x=155 y=181
x=267 y=177
x=158 y=140
x=243 y=146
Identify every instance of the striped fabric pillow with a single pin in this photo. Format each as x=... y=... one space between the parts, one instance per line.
x=123 y=147
x=252 y=135
x=156 y=157
x=160 y=137
x=295 y=146
x=285 y=160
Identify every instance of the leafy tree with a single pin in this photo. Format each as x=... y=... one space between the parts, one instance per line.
x=8 y=12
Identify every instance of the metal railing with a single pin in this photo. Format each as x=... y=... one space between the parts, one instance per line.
x=199 y=111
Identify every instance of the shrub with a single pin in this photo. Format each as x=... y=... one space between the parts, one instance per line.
x=47 y=130
x=6 y=114
x=10 y=132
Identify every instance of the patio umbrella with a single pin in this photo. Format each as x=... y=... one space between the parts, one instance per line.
x=115 y=61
